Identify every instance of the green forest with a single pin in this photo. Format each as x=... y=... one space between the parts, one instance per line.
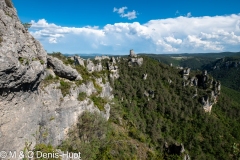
x=139 y=126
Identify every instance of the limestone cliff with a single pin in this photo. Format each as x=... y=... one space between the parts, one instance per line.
x=39 y=104
x=22 y=58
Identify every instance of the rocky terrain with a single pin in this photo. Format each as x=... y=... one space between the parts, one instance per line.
x=155 y=111
x=39 y=93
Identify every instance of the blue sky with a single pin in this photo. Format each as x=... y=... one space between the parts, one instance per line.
x=115 y=26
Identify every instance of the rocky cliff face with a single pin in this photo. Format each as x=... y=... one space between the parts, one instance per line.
x=22 y=58
x=205 y=82
x=39 y=104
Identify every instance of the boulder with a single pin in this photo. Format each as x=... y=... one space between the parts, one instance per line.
x=98 y=67
x=91 y=67
x=113 y=60
x=79 y=61
x=61 y=69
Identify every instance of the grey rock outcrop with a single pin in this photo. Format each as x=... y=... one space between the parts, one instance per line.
x=46 y=115
x=186 y=157
x=195 y=94
x=132 y=54
x=118 y=59
x=113 y=68
x=144 y=76
x=98 y=67
x=207 y=105
x=49 y=72
x=185 y=73
x=62 y=70
x=178 y=67
x=30 y=112
x=91 y=67
x=101 y=58
x=79 y=61
x=113 y=60
x=169 y=81
x=22 y=58
x=194 y=81
x=205 y=82
x=149 y=93
x=205 y=73
x=134 y=59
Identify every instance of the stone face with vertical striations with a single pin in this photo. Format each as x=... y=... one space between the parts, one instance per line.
x=30 y=110
x=22 y=58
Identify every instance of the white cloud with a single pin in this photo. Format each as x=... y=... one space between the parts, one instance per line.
x=189 y=14
x=166 y=47
x=173 y=40
x=52 y=40
x=120 y=10
x=129 y=15
x=180 y=34
x=206 y=45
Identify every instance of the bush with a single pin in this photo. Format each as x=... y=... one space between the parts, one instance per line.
x=84 y=73
x=65 y=87
x=79 y=82
x=97 y=87
x=9 y=3
x=49 y=80
x=21 y=60
x=42 y=61
x=99 y=102
x=136 y=134
x=82 y=96
x=87 y=136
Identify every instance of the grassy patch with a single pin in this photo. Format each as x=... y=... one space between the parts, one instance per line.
x=99 y=102
x=49 y=80
x=97 y=87
x=52 y=118
x=79 y=82
x=82 y=96
x=60 y=56
x=65 y=87
x=84 y=73
x=104 y=80
x=9 y=3
x=23 y=61
x=42 y=61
